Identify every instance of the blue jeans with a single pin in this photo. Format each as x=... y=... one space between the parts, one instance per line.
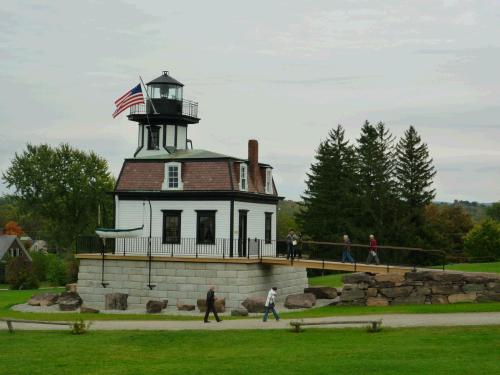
x=266 y=313
x=291 y=251
x=347 y=257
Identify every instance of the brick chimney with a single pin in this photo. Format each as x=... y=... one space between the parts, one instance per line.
x=253 y=163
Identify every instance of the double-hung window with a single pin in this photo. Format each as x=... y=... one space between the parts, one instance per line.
x=205 y=227
x=269 y=181
x=173 y=176
x=153 y=137
x=268 y=226
x=172 y=226
x=243 y=177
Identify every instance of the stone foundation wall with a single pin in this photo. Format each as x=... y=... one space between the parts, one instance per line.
x=422 y=287
x=184 y=281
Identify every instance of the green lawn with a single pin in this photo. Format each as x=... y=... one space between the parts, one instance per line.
x=13 y=297
x=475 y=267
x=464 y=350
x=333 y=280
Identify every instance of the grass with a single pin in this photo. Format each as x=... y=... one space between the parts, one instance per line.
x=475 y=267
x=464 y=350
x=333 y=280
x=14 y=297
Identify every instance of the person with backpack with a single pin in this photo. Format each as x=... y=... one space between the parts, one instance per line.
x=372 y=252
x=270 y=303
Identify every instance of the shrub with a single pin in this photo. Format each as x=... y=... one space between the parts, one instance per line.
x=19 y=274
x=56 y=270
x=72 y=269
x=483 y=240
x=40 y=265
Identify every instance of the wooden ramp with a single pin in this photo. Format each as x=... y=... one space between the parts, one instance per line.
x=336 y=266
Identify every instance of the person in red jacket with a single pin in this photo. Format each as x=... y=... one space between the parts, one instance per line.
x=372 y=253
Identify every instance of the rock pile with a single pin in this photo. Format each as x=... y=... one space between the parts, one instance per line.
x=421 y=287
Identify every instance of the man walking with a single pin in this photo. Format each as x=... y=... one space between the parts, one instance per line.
x=346 y=252
x=372 y=254
x=270 y=302
x=210 y=304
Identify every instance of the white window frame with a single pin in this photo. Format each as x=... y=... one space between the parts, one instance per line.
x=243 y=177
x=166 y=182
x=269 y=180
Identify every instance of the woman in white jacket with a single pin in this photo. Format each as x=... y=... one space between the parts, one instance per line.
x=270 y=303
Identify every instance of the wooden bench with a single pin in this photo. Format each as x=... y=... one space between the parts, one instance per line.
x=9 y=322
x=374 y=324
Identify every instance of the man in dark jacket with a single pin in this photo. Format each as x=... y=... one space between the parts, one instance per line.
x=210 y=304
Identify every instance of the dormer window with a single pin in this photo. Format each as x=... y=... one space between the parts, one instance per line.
x=153 y=137
x=243 y=177
x=173 y=177
x=269 y=181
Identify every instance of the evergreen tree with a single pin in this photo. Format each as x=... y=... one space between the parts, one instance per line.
x=328 y=202
x=375 y=159
x=414 y=173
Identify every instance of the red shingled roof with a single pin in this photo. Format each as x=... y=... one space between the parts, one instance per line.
x=196 y=175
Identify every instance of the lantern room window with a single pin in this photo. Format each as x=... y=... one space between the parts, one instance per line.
x=165 y=91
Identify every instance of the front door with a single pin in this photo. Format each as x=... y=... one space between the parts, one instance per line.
x=242 y=237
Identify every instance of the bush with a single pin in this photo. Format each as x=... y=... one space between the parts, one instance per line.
x=19 y=274
x=40 y=265
x=483 y=240
x=72 y=266
x=56 y=270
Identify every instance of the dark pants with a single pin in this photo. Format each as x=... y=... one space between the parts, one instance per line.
x=291 y=251
x=211 y=308
x=273 y=310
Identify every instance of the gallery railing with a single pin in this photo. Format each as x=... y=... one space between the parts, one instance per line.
x=359 y=253
x=182 y=247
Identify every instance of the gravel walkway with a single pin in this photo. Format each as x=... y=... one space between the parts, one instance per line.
x=389 y=320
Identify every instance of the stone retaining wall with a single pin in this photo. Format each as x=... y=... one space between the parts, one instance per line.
x=421 y=287
x=184 y=281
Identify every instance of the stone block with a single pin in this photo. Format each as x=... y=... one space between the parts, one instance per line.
x=445 y=289
x=302 y=300
x=371 y=292
x=488 y=296
x=422 y=291
x=389 y=278
x=419 y=276
x=462 y=297
x=377 y=301
x=399 y=291
x=116 y=301
x=494 y=286
x=481 y=277
x=448 y=277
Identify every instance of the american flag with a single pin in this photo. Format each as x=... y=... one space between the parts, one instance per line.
x=130 y=98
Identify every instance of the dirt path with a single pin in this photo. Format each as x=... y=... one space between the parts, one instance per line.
x=389 y=320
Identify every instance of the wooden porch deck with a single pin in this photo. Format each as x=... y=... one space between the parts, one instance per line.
x=303 y=263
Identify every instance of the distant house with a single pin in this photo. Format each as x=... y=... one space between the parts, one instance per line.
x=39 y=246
x=10 y=246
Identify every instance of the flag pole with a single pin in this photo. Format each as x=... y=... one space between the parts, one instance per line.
x=147 y=94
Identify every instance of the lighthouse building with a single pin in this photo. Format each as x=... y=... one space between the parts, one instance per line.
x=193 y=201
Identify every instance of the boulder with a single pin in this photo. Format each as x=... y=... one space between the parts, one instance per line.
x=185 y=307
x=409 y=300
x=422 y=291
x=220 y=304
x=299 y=301
x=462 y=297
x=445 y=289
x=69 y=301
x=254 y=304
x=239 y=312
x=419 y=276
x=399 y=291
x=448 y=277
x=71 y=287
x=43 y=299
x=322 y=292
x=473 y=288
x=371 y=292
x=358 y=277
x=437 y=299
x=116 y=301
x=351 y=293
x=481 y=277
x=389 y=279
x=164 y=303
x=377 y=301
x=488 y=296
x=494 y=286
x=90 y=310
x=154 y=307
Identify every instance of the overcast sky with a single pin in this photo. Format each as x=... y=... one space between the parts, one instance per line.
x=283 y=72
